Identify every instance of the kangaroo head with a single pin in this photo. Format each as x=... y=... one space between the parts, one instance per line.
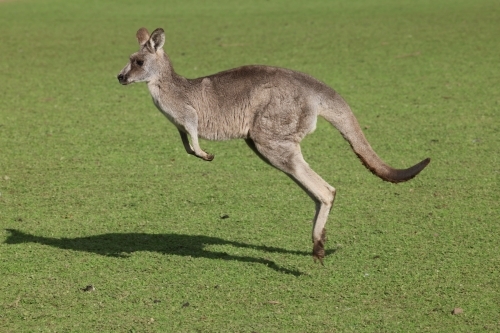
x=148 y=63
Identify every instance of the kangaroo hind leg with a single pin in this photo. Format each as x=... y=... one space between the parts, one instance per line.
x=287 y=157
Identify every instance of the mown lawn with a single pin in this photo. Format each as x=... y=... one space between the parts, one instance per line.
x=96 y=188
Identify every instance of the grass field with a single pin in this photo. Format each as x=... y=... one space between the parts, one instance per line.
x=96 y=188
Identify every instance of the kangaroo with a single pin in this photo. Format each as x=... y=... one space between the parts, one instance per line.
x=271 y=108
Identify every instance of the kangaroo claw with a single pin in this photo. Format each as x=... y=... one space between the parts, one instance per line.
x=319 y=248
x=319 y=251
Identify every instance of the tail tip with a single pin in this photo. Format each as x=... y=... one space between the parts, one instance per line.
x=398 y=176
x=415 y=170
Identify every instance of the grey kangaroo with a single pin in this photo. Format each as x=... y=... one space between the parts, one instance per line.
x=271 y=108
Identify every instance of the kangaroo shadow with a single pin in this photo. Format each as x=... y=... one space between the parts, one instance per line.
x=124 y=244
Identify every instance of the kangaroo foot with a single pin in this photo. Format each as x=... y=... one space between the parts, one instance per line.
x=208 y=157
x=319 y=248
x=204 y=156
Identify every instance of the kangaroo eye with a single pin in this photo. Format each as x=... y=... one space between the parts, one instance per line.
x=139 y=62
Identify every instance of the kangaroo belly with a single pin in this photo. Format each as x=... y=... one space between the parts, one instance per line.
x=222 y=125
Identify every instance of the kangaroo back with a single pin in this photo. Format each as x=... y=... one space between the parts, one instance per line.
x=340 y=115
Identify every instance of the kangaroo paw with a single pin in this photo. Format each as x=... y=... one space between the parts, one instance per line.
x=208 y=157
x=319 y=248
x=319 y=251
x=204 y=156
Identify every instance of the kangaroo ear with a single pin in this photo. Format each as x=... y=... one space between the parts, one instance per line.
x=142 y=36
x=157 y=39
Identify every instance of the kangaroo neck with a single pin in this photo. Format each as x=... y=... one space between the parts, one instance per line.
x=167 y=77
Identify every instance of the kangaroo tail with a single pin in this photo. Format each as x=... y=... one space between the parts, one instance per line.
x=340 y=115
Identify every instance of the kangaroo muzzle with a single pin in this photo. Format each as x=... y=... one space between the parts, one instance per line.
x=122 y=79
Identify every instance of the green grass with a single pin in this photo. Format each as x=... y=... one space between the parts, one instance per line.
x=95 y=186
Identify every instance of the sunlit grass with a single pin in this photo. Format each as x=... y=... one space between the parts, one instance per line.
x=96 y=188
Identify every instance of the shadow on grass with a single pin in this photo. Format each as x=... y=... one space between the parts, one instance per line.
x=124 y=244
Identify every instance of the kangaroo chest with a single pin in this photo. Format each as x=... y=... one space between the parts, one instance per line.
x=167 y=110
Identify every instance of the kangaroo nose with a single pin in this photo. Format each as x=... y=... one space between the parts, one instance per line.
x=121 y=78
